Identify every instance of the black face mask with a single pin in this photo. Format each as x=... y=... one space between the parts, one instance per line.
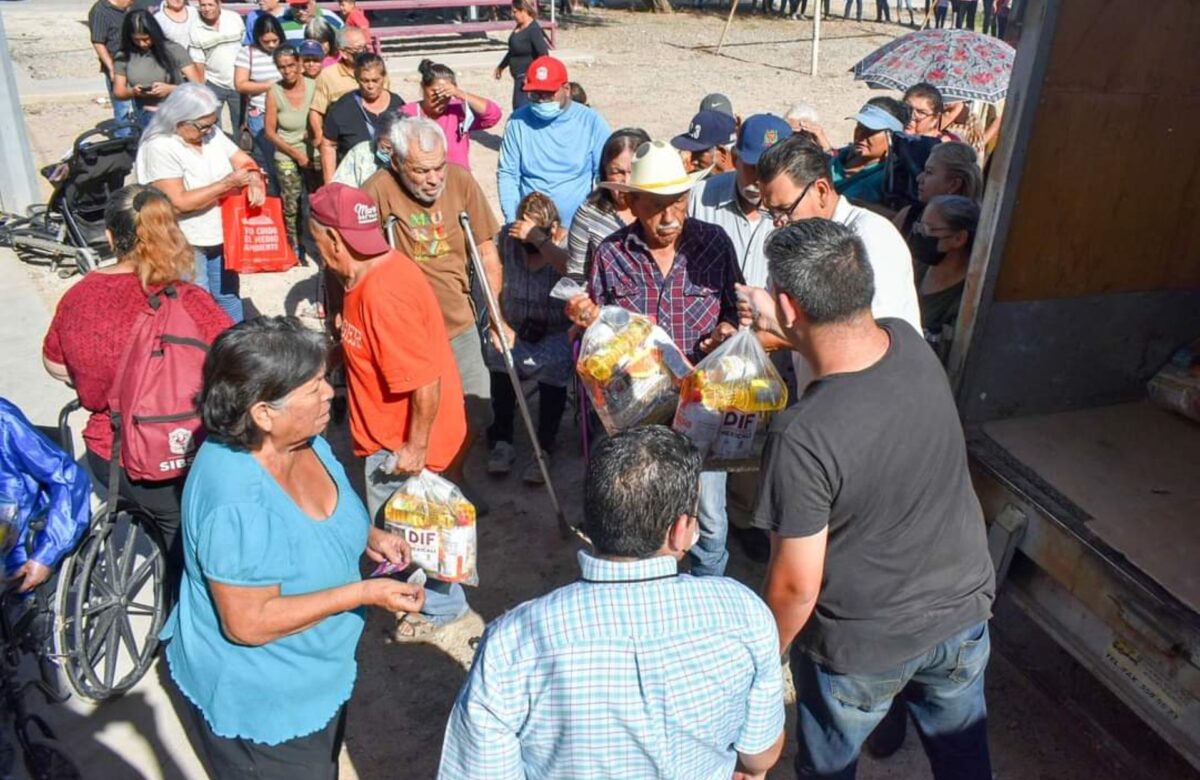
x=925 y=249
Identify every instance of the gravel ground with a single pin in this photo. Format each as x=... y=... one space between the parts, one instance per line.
x=649 y=70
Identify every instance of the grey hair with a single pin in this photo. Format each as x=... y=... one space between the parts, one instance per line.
x=186 y=103
x=958 y=212
x=962 y=162
x=342 y=36
x=802 y=112
x=426 y=132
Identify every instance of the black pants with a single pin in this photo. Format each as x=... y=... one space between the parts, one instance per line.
x=519 y=96
x=939 y=17
x=882 y=12
x=158 y=502
x=551 y=403
x=311 y=757
x=1001 y=22
x=846 y=13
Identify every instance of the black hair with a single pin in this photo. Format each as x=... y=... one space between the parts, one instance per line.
x=931 y=93
x=578 y=94
x=143 y=23
x=433 y=71
x=284 y=50
x=368 y=60
x=638 y=483
x=799 y=156
x=822 y=266
x=627 y=139
x=259 y=360
x=902 y=111
x=265 y=23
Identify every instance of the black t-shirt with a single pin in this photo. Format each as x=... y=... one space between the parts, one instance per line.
x=525 y=46
x=348 y=122
x=878 y=457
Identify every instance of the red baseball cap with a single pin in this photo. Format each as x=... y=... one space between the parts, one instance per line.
x=545 y=74
x=353 y=214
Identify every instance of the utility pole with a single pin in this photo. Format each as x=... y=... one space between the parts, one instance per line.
x=18 y=176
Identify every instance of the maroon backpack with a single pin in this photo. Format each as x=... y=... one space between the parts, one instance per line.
x=156 y=425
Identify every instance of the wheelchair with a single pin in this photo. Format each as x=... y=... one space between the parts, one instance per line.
x=111 y=599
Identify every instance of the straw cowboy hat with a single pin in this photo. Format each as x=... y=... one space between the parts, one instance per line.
x=657 y=169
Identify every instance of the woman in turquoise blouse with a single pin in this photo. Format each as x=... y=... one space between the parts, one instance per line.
x=262 y=641
x=859 y=169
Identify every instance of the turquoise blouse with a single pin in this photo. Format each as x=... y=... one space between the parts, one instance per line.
x=241 y=528
x=865 y=186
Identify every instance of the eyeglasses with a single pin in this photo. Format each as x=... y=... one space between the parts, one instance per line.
x=203 y=129
x=921 y=229
x=782 y=216
x=920 y=113
x=354 y=51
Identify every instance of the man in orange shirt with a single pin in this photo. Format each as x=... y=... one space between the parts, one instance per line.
x=405 y=394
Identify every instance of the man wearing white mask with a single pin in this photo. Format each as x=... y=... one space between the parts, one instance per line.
x=551 y=145
x=733 y=201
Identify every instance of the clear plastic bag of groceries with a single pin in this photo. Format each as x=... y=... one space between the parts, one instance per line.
x=438 y=522
x=631 y=369
x=729 y=397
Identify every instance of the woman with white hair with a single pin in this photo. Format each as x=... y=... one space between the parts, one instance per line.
x=184 y=155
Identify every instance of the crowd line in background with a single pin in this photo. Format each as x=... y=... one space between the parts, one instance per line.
x=878 y=582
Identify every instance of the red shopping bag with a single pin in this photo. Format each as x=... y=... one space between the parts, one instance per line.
x=255 y=237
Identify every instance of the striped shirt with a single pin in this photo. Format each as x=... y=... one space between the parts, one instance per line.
x=591 y=225
x=634 y=671
x=688 y=302
x=261 y=68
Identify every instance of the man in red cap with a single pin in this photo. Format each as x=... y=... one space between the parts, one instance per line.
x=551 y=145
x=406 y=399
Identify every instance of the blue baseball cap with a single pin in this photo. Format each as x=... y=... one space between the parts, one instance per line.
x=759 y=133
x=706 y=130
x=873 y=117
x=310 y=48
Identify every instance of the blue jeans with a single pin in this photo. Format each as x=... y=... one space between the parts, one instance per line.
x=943 y=689
x=263 y=151
x=445 y=602
x=223 y=285
x=122 y=109
x=709 y=556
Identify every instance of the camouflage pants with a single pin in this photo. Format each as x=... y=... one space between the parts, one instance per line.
x=294 y=185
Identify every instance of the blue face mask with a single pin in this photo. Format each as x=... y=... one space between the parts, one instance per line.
x=547 y=111
x=383 y=158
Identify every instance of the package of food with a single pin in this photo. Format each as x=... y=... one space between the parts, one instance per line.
x=1177 y=385
x=438 y=522
x=631 y=369
x=726 y=401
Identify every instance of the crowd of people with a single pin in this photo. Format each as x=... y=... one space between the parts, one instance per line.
x=878 y=585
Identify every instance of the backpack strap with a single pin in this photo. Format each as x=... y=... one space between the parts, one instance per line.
x=114 y=467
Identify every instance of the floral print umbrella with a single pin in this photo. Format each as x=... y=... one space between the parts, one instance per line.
x=964 y=65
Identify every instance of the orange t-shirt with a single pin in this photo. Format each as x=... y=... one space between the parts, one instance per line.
x=395 y=342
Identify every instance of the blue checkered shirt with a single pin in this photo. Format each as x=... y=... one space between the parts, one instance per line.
x=635 y=671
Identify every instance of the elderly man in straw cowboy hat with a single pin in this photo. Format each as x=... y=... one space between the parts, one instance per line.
x=680 y=272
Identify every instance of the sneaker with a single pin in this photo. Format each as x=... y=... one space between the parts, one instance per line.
x=532 y=474
x=501 y=459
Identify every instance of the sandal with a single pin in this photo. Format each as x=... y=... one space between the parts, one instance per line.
x=411 y=628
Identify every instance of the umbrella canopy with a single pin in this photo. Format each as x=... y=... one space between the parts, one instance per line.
x=962 y=64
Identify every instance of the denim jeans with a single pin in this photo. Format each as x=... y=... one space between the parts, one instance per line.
x=233 y=101
x=444 y=602
x=224 y=285
x=122 y=109
x=709 y=556
x=263 y=151
x=837 y=712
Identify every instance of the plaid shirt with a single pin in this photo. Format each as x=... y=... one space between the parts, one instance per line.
x=634 y=671
x=696 y=294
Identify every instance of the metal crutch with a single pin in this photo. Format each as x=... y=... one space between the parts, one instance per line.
x=565 y=528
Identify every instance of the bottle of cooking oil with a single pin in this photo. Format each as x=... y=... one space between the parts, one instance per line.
x=601 y=363
x=745 y=395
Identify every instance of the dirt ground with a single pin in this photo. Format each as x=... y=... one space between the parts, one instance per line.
x=647 y=72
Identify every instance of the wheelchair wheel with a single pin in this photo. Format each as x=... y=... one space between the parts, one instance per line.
x=112 y=604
